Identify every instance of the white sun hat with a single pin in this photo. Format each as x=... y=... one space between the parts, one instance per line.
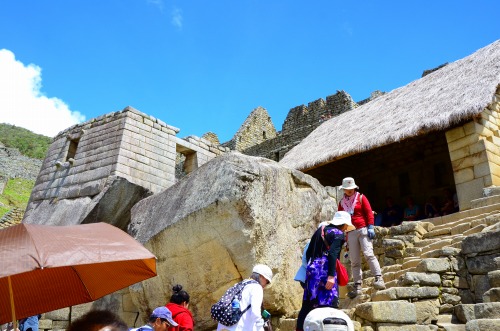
x=342 y=217
x=348 y=183
x=264 y=271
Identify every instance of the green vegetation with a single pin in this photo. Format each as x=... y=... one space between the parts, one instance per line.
x=28 y=143
x=16 y=194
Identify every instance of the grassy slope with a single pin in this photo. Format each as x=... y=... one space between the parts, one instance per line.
x=16 y=194
x=18 y=190
x=28 y=143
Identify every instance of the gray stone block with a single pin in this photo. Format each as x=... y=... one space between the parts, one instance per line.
x=481 y=264
x=464 y=312
x=400 y=312
x=419 y=278
x=480 y=285
x=487 y=310
x=492 y=295
x=427 y=311
x=483 y=325
x=433 y=265
x=494 y=278
x=481 y=242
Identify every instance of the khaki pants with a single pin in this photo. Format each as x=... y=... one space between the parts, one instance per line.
x=358 y=242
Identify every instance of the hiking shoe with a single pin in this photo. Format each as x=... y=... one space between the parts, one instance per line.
x=357 y=290
x=379 y=284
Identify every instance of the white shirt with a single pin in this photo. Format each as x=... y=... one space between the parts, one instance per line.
x=251 y=320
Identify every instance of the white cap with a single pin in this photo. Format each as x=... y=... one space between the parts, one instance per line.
x=316 y=320
x=264 y=271
x=342 y=217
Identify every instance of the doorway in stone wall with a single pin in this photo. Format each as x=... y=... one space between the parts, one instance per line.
x=418 y=167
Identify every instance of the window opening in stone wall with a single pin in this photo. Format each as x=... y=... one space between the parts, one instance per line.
x=276 y=156
x=440 y=175
x=186 y=161
x=73 y=146
x=404 y=184
x=264 y=135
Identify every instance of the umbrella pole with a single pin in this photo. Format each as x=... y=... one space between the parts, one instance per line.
x=13 y=309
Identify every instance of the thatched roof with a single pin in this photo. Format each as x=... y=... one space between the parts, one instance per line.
x=437 y=101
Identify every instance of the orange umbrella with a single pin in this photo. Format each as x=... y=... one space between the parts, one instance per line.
x=44 y=268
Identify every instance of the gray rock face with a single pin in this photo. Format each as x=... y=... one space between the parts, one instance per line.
x=112 y=206
x=210 y=228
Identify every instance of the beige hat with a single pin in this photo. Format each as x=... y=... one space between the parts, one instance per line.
x=348 y=183
x=342 y=217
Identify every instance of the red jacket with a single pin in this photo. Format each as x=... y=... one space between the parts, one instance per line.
x=363 y=214
x=181 y=316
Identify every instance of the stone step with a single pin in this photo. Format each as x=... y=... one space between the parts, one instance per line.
x=485 y=210
x=449 y=323
x=410 y=262
x=425 y=242
x=436 y=245
x=443 y=231
x=483 y=202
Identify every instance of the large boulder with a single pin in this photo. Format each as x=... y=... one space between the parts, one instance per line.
x=210 y=228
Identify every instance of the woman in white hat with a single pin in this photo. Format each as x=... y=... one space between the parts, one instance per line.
x=360 y=240
x=321 y=287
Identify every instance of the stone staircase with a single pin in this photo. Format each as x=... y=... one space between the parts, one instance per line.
x=431 y=278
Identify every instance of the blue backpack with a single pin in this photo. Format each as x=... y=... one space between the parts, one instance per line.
x=222 y=311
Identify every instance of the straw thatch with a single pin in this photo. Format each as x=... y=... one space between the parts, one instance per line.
x=440 y=100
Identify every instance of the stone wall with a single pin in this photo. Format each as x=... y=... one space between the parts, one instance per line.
x=13 y=164
x=475 y=154
x=127 y=144
x=256 y=129
x=299 y=123
x=12 y=217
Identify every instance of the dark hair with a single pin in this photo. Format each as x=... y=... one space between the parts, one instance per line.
x=179 y=296
x=99 y=318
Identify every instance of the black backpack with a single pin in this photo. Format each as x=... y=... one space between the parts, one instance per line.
x=222 y=311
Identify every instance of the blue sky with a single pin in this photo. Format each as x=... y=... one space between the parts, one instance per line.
x=205 y=65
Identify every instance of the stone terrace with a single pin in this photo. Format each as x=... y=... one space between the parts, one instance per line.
x=441 y=274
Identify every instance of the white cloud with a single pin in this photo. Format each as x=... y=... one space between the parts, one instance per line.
x=157 y=3
x=177 y=17
x=23 y=104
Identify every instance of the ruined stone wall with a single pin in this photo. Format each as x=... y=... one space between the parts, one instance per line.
x=257 y=128
x=299 y=123
x=475 y=155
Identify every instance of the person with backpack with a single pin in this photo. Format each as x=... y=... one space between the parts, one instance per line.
x=321 y=283
x=159 y=320
x=360 y=240
x=178 y=305
x=239 y=309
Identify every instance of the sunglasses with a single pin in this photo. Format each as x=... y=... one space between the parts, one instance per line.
x=165 y=321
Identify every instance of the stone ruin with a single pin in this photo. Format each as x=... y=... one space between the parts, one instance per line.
x=209 y=227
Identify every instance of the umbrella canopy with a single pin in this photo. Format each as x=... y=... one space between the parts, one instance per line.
x=45 y=268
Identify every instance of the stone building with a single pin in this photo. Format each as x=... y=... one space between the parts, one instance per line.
x=84 y=160
x=440 y=131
